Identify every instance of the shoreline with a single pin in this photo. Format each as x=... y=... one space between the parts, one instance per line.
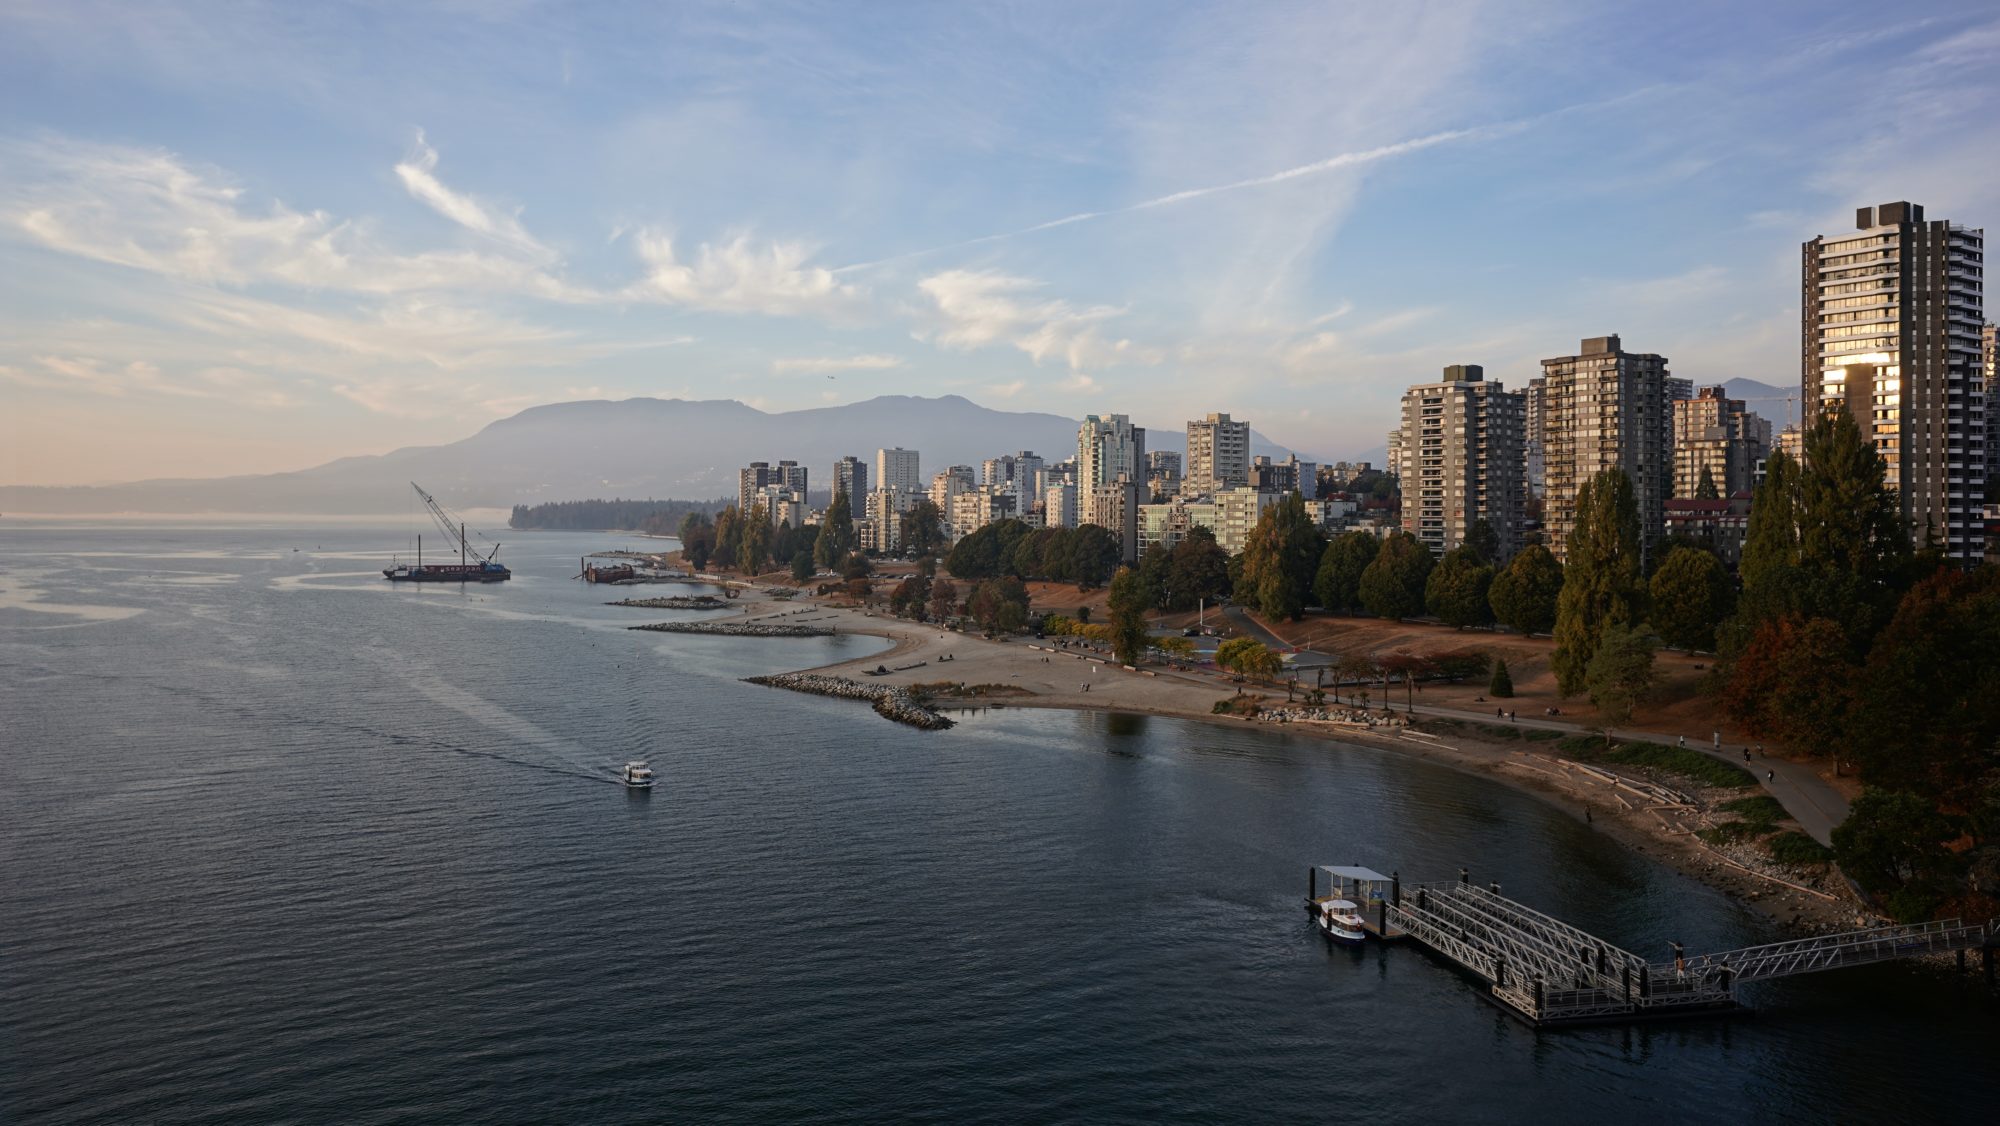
x=1037 y=675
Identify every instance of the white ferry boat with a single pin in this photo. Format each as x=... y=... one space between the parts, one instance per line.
x=638 y=775
x=1340 y=920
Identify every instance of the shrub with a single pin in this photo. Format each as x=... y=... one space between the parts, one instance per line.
x=1762 y=810
x=1502 y=687
x=1728 y=832
x=1797 y=850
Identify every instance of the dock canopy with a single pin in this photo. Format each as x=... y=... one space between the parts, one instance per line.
x=1365 y=875
x=1365 y=885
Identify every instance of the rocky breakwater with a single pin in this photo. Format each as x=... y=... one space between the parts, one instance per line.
x=738 y=629
x=676 y=602
x=890 y=702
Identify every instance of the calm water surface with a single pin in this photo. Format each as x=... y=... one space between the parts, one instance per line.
x=282 y=842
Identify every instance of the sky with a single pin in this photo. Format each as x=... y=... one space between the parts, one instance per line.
x=244 y=237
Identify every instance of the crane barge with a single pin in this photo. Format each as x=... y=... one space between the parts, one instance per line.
x=472 y=565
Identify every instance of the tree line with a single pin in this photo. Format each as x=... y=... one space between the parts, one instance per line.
x=653 y=517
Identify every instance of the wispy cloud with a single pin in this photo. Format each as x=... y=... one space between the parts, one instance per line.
x=1317 y=167
x=975 y=309
x=419 y=176
x=815 y=365
x=743 y=276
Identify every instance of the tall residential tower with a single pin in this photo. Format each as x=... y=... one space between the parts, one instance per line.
x=1460 y=454
x=1605 y=408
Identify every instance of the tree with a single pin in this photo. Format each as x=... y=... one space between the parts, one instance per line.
x=1850 y=521
x=1601 y=584
x=979 y=555
x=1691 y=595
x=1456 y=591
x=1483 y=540
x=909 y=596
x=1199 y=571
x=856 y=566
x=1524 y=595
x=802 y=566
x=1897 y=844
x=1771 y=540
x=1093 y=555
x=921 y=529
x=755 y=548
x=836 y=532
x=1338 y=583
x=692 y=524
x=944 y=598
x=1621 y=675
x=1280 y=558
x=728 y=537
x=1793 y=683
x=1926 y=714
x=1130 y=599
x=1249 y=657
x=999 y=604
x=1502 y=687
x=1705 y=489
x=697 y=536
x=1155 y=572
x=1392 y=585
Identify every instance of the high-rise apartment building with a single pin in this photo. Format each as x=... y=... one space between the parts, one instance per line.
x=1114 y=506
x=1218 y=454
x=1460 y=447
x=1989 y=347
x=1604 y=408
x=1891 y=321
x=1534 y=436
x=1287 y=476
x=946 y=486
x=751 y=479
x=1717 y=435
x=897 y=469
x=850 y=476
x=1059 y=506
x=1108 y=449
x=1019 y=474
x=1163 y=472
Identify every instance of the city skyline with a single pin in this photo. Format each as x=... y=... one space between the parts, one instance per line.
x=218 y=263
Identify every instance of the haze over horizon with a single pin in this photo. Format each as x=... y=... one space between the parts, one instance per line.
x=248 y=239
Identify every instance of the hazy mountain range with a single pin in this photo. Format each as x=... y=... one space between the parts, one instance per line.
x=635 y=448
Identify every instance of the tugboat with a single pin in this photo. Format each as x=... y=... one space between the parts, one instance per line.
x=1340 y=920
x=638 y=775
x=472 y=567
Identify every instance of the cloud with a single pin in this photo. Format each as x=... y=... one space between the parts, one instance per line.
x=94 y=375
x=743 y=276
x=975 y=309
x=1328 y=164
x=1006 y=390
x=817 y=364
x=418 y=176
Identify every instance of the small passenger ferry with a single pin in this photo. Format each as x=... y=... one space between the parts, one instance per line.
x=638 y=775
x=1340 y=920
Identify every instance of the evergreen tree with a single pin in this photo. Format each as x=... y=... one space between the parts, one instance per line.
x=1523 y=596
x=1338 y=583
x=1393 y=584
x=921 y=529
x=1502 y=687
x=754 y=549
x=728 y=537
x=1772 y=539
x=1280 y=558
x=1850 y=522
x=1129 y=601
x=1601 y=583
x=1706 y=489
x=836 y=532
x=1155 y=571
x=802 y=566
x=1621 y=676
x=1926 y=714
x=1456 y=591
x=1691 y=595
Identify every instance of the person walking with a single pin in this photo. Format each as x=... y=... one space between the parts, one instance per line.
x=1770 y=776
x=1684 y=742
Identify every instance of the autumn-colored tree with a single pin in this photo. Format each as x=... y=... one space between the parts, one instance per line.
x=1248 y=656
x=1793 y=683
x=1281 y=558
x=944 y=598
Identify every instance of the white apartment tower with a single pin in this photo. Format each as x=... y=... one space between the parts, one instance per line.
x=1218 y=454
x=1108 y=449
x=1461 y=452
x=1891 y=324
x=1605 y=408
x=897 y=469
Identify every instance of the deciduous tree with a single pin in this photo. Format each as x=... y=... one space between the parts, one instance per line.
x=1128 y=603
x=1199 y=571
x=1392 y=586
x=836 y=532
x=1456 y=591
x=1524 y=595
x=1280 y=558
x=1338 y=583
x=1793 y=683
x=1691 y=595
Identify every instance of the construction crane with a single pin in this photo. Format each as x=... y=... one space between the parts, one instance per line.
x=454 y=530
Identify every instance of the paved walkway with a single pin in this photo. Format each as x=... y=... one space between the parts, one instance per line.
x=1810 y=800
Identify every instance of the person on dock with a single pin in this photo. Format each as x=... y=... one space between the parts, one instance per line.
x=1680 y=961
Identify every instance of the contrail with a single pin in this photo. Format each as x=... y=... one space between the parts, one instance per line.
x=1344 y=160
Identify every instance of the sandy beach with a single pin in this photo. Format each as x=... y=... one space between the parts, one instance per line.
x=1026 y=673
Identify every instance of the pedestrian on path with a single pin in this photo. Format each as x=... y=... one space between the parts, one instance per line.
x=1718 y=740
x=1770 y=776
x=1684 y=742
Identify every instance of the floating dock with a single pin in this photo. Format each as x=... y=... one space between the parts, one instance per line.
x=1547 y=972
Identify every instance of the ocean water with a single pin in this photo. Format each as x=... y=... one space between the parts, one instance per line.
x=282 y=842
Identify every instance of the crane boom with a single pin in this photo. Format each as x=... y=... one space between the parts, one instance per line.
x=454 y=530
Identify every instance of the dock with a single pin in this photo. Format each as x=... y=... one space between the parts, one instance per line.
x=1548 y=972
